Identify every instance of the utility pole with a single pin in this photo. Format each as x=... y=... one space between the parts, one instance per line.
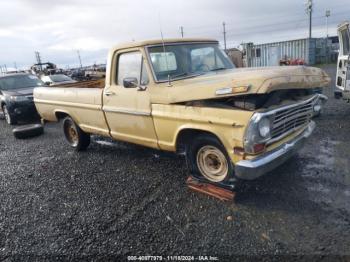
x=15 y=65
x=81 y=66
x=38 y=60
x=224 y=26
x=309 y=12
x=328 y=14
x=182 y=31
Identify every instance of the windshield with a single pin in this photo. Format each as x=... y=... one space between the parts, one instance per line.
x=60 y=78
x=345 y=41
x=19 y=82
x=186 y=60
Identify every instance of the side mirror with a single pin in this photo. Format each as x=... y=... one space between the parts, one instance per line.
x=130 y=82
x=47 y=83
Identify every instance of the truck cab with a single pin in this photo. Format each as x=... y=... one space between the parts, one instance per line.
x=342 y=89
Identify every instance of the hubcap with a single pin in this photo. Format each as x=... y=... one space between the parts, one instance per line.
x=71 y=133
x=212 y=163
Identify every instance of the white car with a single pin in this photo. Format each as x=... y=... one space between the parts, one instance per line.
x=57 y=79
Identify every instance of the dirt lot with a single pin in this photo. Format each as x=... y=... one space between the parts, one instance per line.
x=117 y=199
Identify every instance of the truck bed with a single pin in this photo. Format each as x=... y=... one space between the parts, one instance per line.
x=82 y=101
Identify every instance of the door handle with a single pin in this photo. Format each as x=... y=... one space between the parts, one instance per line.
x=109 y=93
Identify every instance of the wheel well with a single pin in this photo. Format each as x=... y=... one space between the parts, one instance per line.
x=186 y=135
x=60 y=115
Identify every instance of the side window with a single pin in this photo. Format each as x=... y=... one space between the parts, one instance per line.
x=132 y=65
x=129 y=65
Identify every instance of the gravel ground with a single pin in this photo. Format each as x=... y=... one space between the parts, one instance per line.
x=116 y=200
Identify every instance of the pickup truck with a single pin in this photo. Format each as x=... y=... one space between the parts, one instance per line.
x=185 y=96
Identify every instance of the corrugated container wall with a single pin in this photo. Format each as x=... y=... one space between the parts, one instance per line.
x=272 y=53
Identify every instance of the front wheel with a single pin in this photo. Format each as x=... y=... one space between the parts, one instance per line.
x=10 y=119
x=76 y=137
x=209 y=161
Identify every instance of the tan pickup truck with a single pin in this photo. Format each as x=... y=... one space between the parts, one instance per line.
x=185 y=96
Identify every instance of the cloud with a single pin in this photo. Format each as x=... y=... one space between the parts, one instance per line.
x=58 y=28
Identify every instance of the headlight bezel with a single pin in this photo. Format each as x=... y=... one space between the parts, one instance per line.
x=253 y=136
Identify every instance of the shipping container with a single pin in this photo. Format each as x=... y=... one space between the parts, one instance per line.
x=271 y=54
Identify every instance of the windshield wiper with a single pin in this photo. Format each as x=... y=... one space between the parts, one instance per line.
x=184 y=74
x=218 y=69
x=179 y=75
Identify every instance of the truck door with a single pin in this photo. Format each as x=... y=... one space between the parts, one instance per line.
x=127 y=106
x=343 y=66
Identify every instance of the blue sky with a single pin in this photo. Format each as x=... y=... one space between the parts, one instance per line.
x=58 y=28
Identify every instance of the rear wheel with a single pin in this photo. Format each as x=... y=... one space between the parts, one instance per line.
x=10 y=119
x=209 y=161
x=76 y=137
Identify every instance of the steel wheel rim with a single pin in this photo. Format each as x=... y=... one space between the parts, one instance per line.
x=212 y=163
x=7 y=116
x=71 y=133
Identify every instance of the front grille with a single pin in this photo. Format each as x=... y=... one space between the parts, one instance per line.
x=291 y=118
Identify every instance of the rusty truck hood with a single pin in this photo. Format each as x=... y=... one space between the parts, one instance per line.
x=237 y=82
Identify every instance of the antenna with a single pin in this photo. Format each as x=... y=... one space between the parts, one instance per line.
x=81 y=66
x=166 y=58
x=182 y=31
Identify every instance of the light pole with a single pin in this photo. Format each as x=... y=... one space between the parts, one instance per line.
x=328 y=14
x=309 y=12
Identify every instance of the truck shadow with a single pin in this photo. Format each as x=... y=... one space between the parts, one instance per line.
x=282 y=189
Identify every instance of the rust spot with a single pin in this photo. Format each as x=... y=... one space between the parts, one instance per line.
x=211 y=190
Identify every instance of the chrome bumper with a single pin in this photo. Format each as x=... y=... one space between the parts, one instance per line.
x=254 y=168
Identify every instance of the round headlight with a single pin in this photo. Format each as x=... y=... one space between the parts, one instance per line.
x=264 y=127
x=318 y=106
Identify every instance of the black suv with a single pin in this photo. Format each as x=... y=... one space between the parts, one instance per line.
x=16 y=96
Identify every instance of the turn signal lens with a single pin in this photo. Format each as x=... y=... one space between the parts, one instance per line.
x=238 y=151
x=258 y=148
